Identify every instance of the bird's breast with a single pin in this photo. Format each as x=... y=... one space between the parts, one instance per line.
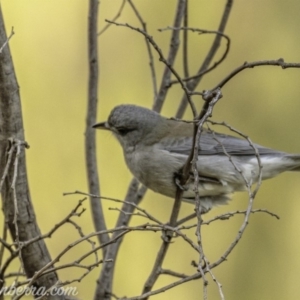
x=155 y=168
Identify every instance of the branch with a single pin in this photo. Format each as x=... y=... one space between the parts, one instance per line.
x=114 y=19
x=202 y=31
x=165 y=244
x=191 y=85
x=90 y=134
x=164 y=288
x=173 y=49
x=171 y=69
x=151 y=63
x=279 y=63
x=143 y=213
x=104 y=283
x=185 y=42
x=7 y=40
x=35 y=256
x=227 y=216
x=65 y=220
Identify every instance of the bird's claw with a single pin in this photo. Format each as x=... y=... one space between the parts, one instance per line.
x=167 y=236
x=182 y=187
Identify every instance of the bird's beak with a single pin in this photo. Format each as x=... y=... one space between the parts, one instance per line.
x=101 y=125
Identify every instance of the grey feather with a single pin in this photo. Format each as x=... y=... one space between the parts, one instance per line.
x=211 y=144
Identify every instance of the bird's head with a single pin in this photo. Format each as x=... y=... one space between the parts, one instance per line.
x=133 y=125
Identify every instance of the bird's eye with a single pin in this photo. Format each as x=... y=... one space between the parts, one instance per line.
x=124 y=130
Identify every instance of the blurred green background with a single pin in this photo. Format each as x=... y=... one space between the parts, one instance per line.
x=49 y=50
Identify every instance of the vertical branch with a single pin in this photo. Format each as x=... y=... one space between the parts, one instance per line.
x=90 y=135
x=135 y=194
x=181 y=9
x=185 y=42
x=34 y=256
x=149 y=50
x=104 y=283
x=191 y=85
x=165 y=244
x=174 y=46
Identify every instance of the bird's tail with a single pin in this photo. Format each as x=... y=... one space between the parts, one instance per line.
x=296 y=162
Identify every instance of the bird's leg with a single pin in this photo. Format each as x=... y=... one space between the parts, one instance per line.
x=167 y=235
x=202 y=210
x=194 y=264
x=177 y=180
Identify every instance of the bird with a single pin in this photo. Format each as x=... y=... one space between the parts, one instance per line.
x=156 y=148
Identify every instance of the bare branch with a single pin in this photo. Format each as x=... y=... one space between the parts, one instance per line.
x=166 y=240
x=255 y=151
x=9 y=153
x=185 y=219
x=207 y=61
x=202 y=31
x=143 y=211
x=58 y=225
x=173 y=273
x=11 y=126
x=185 y=42
x=104 y=283
x=90 y=135
x=7 y=40
x=191 y=164
x=162 y=59
x=173 y=49
x=227 y=216
x=279 y=63
x=151 y=60
x=116 y=17
x=165 y=288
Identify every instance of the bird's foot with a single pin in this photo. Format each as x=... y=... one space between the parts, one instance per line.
x=177 y=180
x=167 y=236
x=200 y=266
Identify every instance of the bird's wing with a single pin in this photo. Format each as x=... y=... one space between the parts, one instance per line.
x=212 y=143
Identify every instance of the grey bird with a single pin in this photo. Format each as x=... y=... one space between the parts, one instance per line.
x=156 y=148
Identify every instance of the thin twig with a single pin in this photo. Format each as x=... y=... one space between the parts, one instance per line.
x=16 y=144
x=219 y=285
x=191 y=164
x=173 y=273
x=4 y=244
x=149 y=50
x=173 y=50
x=166 y=241
x=259 y=180
x=250 y=201
x=143 y=211
x=162 y=59
x=121 y=231
x=116 y=17
x=134 y=195
x=58 y=225
x=7 y=40
x=185 y=42
x=164 y=288
x=7 y=263
x=9 y=153
x=185 y=219
x=277 y=63
x=202 y=31
x=207 y=61
x=228 y=215
x=14 y=274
